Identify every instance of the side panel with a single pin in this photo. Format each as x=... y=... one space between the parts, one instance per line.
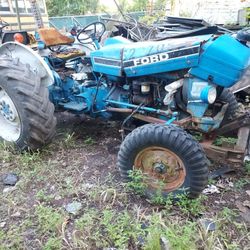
x=163 y=62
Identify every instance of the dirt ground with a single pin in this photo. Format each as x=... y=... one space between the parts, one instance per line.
x=79 y=167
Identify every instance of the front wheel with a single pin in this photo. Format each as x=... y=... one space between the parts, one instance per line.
x=26 y=114
x=170 y=160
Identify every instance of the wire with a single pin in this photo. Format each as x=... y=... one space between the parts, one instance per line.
x=129 y=117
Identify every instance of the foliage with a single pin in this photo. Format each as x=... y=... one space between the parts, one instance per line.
x=189 y=206
x=227 y=140
x=239 y=184
x=247 y=167
x=160 y=4
x=139 y=5
x=179 y=236
x=48 y=219
x=89 y=141
x=136 y=182
x=53 y=244
x=67 y=7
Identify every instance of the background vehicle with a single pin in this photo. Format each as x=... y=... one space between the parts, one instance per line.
x=8 y=35
x=163 y=89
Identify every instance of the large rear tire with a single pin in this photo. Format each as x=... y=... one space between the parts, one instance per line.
x=170 y=160
x=26 y=114
x=231 y=113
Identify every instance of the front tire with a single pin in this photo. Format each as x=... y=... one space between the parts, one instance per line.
x=170 y=160
x=26 y=114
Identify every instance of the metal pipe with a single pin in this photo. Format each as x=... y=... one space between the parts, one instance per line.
x=149 y=119
x=152 y=110
x=119 y=110
x=18 y=15
x=141 y=117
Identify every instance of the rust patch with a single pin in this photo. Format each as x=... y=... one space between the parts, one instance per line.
x=161 y=168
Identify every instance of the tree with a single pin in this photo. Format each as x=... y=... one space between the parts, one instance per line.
x=139 y=5
x=160 y=5
x=71 y=7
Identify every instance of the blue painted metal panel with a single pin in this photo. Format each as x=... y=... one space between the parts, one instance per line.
x=165 y=66
x=116 y=40
x=223 y=61
x=125 y=57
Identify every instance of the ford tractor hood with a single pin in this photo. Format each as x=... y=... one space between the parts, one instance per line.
x=121 y=57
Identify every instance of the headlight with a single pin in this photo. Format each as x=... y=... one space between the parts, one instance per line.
x=208 y=94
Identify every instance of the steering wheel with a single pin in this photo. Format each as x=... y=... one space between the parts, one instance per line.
x=93 y=31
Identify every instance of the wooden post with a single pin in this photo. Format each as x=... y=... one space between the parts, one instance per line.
x=242 y=141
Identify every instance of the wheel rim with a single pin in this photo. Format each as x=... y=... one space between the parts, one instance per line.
x=9 y=118
x=162 y=169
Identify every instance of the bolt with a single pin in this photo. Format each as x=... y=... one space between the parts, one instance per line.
x=160 y=168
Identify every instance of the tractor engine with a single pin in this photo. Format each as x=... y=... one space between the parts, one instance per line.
x=142 y=92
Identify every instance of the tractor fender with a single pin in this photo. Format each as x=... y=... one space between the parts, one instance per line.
x=26 y=55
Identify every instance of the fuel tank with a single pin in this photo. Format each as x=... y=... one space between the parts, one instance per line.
x=223 y=61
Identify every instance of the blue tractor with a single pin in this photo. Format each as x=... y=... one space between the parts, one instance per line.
x=161 y=90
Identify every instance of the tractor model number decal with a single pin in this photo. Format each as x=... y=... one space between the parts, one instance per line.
x=151 y=59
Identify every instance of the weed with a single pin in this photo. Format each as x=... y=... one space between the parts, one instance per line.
x=190 y=206
x=12 y=238
x=119 y=229
x=219 y=141
x=53 y=244
x=87 y=221
x=41 y=196
x=227 y=214
x=182 y=237
x=211 y=181
x=239 y=184
x=69 y=141
x=159 y=199
x=29 y=160
x=247 y=167
x=198 y=136
x=153 y=241
x=6 y=154
x=48 y=219
x=89 y=141
x=179 y=236
x=136 y=182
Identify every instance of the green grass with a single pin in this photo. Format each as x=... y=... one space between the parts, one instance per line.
x=112 y=214
x=49 y=220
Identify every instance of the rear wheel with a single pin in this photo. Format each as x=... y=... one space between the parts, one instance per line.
x=26 y=114
x=228 y=97
x=170 y=160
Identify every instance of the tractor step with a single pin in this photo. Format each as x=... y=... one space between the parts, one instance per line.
x=74 y=106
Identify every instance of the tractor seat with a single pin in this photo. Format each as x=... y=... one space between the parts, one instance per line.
x=52 y=37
